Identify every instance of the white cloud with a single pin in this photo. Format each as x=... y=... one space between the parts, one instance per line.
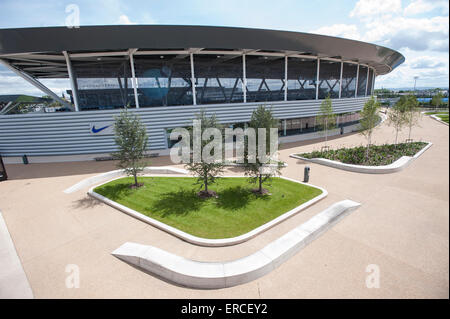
x=123 y=19
x=423 y=6
x=367 y=8
x=425 y=62
x=349 y=31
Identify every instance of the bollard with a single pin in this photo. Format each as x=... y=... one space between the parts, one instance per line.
x=25 y=159
x=306 y=174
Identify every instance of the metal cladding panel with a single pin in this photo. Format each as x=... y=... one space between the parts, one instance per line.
x=69 y=133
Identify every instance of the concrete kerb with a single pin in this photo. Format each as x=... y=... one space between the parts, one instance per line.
x=215 y=275
x=396 y=166
x=205 y=241
x=438 y=119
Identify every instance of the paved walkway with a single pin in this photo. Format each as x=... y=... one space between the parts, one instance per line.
x=13 y=281
x=402 y=227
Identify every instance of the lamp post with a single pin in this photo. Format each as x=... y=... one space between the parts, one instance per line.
x=415 y=80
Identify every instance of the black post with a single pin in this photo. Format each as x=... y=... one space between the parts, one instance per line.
x=3 y=175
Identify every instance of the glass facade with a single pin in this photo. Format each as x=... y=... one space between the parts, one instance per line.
x=166 y=80
x=348 y=80
x=103 y=83
x=218 y=79
x=301 y=79
x=163 y=80
x=329 y=75
x=265 y=78
x=362 y=80
x=370 y=84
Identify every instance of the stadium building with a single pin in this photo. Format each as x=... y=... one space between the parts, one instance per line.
x=166 y=74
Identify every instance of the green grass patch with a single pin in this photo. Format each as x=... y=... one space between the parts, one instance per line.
x=378 y=155
x=236 y=211
x=443 y=117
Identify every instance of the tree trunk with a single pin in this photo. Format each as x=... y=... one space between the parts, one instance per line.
x=396 y=136
x=260 y=183
x=135 y=180
x=409 y=134
x=206 y=184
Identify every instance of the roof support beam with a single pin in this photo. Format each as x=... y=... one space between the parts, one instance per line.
x=36 y=84
x=244 y=78
x=194 y=96
x=73 y=82
x=133 y=75
x=285 y=77
x=367 y=81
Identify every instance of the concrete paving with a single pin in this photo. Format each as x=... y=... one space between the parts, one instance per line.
x=402 y=227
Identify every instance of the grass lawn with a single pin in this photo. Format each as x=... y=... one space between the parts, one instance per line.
x=236 y=211
x=443 y=117
x=378 y=155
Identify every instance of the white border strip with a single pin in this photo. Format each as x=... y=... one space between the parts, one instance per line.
x=435 y=117
x=205 y=241
x=119 y=173
x=396 y=166
x=214 y=275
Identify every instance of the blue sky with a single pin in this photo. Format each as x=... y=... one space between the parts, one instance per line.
x=416 y=28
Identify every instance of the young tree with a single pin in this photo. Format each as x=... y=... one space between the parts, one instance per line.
x=437 y=100
x=368 y=121
x=131 y=139
x=412 y=113
x=326 y=117
x=203 y=164
x=259 y=170
x=396 y=116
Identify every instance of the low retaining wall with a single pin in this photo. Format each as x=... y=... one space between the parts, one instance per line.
x=213 y=275
x=398 y=165
x=205 y=241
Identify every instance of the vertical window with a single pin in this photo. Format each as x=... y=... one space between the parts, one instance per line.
x=362 y=79
x=218 y=78
x=301 y=79
x=265 y=78
x=349 y=80
x=329 y=75
x=369 y=88
x=103 y=82
x=163 y=80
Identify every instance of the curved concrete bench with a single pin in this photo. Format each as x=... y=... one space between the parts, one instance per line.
x=196 y=274
x=398 y=165
x=119 y=173
x=205 y=241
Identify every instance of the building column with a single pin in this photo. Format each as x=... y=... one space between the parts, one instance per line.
x=285 y=77
x=357 y=80
x=284 y=127
x=367 y=80
x=317 y=78
x=73 y=84
x=340 y=79
x=194 y=95
x=244 y=78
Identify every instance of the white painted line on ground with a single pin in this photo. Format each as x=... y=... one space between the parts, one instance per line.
x=214 y=275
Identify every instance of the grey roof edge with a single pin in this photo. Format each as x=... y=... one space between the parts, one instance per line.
x=122 y=37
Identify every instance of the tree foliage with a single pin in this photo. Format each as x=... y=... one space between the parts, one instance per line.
x=436 y=101
x=397 y=116
x=368 y=121
x=131 y=139
x=206 y=171
x=326 y=118
x=257 y=170
x=412 y=113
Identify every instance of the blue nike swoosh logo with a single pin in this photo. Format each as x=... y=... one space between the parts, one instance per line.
x=94 y=130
